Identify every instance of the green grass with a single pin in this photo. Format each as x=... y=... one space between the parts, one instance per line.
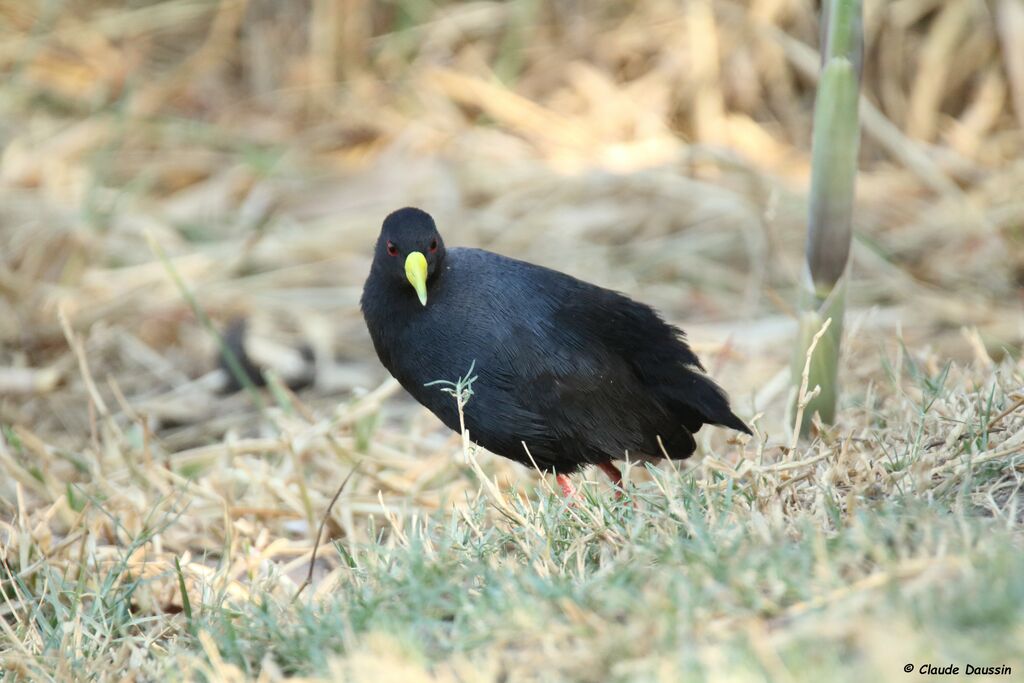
x=696 y=584
x=650 y=593
x=901 y=547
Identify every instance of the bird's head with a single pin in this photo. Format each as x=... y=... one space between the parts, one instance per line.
x=410 y=248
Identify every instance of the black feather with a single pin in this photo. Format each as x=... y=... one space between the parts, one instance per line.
x=577 y=373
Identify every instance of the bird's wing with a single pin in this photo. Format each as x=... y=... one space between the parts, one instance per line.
x=657 y=353
x=579 y=398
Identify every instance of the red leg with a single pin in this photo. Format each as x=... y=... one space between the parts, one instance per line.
x=615 y=475
x=612 y=471
x=568 y=490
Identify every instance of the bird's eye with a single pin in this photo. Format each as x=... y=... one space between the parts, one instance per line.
x=433 y=246
x=392 y=249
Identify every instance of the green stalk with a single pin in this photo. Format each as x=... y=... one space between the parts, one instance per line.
x=834 y=147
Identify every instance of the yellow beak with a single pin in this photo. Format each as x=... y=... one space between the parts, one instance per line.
x=416 y=272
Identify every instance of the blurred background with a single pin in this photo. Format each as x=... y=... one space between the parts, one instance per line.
x=175 y=171
x=165 y=162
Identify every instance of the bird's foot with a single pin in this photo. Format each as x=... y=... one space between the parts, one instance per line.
x=568 y=490
x=571 y=494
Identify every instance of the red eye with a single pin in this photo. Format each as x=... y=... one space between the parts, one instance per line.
x=433 y=246
x=392 y=249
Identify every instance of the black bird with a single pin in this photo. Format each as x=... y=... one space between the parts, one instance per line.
x=575 y=373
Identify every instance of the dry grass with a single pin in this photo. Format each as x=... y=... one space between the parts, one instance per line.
x=660 y=149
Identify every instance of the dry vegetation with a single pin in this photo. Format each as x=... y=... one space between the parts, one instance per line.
x=168 y=167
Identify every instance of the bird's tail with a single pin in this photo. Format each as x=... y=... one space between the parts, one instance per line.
x=734 y=422
x=697 y=399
